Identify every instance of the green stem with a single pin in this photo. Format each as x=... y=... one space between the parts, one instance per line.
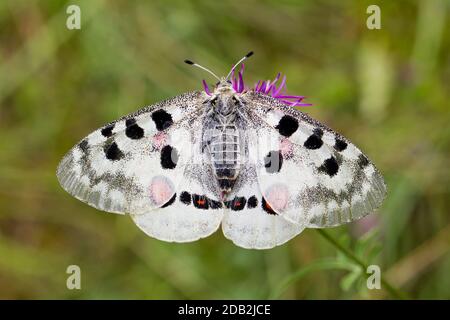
x=323 y=264
x=390 y=288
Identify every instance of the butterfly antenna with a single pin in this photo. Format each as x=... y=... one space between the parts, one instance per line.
x=248 y=55
x=201 y=67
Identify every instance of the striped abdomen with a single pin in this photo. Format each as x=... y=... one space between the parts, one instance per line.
x=225 y=153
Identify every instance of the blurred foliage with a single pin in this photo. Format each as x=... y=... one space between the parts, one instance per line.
x=387 y=90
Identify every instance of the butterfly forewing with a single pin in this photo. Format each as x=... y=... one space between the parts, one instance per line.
x=133 y=164
x=310 y=175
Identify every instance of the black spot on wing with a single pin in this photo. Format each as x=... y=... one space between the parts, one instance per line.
x=266 y=207
x=214 y=204
x=185 y=197
x=329 y=166
x=130 y=122
x=273 y=161
x=340 y=145
x=134 y=132
x=107 y=131
x=287 y=125
x=203 y=202
x=200 y=202
x=237 y=204
x=318 y=132
x=112 y=152
x=162 y=119
x=169 y=157
x=363 y=161
x=168 y=203
x=84 y=146
x=252 y=202
x=314 y=141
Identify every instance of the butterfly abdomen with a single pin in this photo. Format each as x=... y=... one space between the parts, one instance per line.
x=224 y=148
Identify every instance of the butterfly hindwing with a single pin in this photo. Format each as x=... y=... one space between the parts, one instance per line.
x=133 y=164
x=195 y=211
x=190 y=215
x=307 y=173
x=249 y=222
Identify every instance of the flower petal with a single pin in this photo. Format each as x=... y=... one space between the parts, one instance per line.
x=264 y=86
x=205 y=86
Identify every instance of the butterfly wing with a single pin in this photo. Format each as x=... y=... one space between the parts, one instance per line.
x=134 y=163
x=194 y=211
x=248 y=222
x=308 y=173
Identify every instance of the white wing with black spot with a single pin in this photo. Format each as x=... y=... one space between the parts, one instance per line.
x=249 y=222
x=135 y=163
x=307 y=173
x=195 y=210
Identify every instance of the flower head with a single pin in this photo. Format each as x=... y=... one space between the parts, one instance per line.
x=273 y=88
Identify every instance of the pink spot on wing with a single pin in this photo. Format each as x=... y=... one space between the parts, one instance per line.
x=286 y=148
x=159 y=140
x=161 y=190
x=277 y=196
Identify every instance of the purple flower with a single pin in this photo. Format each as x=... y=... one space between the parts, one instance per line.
x=271 y=88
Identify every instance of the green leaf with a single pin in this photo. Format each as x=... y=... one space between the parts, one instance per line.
x=349 y=279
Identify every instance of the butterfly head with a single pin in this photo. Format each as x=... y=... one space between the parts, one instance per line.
x=224 y=99
x=224 y=84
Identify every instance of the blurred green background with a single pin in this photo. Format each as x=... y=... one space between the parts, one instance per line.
x=386 y=90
